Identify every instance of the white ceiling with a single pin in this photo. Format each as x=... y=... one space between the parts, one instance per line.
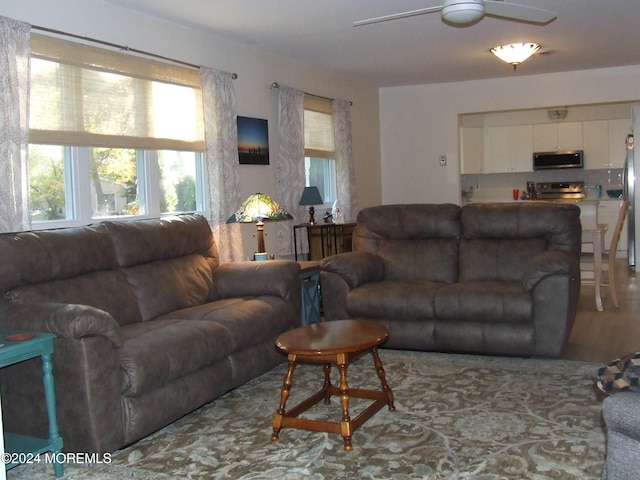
x=417 y=50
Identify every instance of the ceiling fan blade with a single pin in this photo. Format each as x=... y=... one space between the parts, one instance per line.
x=517 y=12
x=396 y=16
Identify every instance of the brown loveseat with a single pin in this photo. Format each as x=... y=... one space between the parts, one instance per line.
x=149 y=325
x=497 y=278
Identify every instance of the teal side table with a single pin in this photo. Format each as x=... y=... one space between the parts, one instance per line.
x=310 y=284
x=12 y=352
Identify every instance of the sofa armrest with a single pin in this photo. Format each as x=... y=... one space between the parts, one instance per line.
x=87 y=376
x=280 y=278
x=621 y=412
x=550 y=262
x=65 y=320
x=355 y=268
x=553 y=278
x=343 y=272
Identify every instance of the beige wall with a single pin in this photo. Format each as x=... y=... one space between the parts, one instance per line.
x=256 y=72
x=420 y=123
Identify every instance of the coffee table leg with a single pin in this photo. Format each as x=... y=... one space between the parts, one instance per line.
x=381 y=375
x=345 y=424
x=326 y=386
x=284 y=395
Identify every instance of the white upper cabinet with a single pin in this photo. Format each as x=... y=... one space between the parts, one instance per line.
x=504 y=141
x=595 y=136
x=604 y=143
x=472 y=150
x=618 y=131
x=549 y=137
x=522 y=148
x=508 y=149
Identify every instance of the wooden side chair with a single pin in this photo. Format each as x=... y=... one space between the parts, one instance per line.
x=608 y=276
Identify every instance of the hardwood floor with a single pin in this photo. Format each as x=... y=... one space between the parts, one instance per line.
x=604 y=336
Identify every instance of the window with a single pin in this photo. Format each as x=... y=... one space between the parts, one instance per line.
x=319 y=147
x=111 y=135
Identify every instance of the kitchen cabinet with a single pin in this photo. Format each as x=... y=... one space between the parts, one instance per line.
x=522 y=148
x=604 y=143
x=618 y=131
x=608 y=211
x=595 y=136
x=549 y=137
x=588 y=213
x=508 y=149
x=472 y=150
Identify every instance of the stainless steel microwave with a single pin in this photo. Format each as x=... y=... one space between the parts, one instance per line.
x=558 y=159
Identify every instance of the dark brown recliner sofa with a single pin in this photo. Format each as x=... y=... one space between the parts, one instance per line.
x=149 y=325
x=499 y=278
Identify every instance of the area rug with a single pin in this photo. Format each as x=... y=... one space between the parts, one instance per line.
x=457 y=417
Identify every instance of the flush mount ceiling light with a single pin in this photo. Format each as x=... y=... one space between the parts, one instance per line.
x=515 y=53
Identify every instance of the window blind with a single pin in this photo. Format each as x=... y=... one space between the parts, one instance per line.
x=88 y=96
x=318 y=127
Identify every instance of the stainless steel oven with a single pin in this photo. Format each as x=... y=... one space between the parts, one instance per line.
x=560 y=191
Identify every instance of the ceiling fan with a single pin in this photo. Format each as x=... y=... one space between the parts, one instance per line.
x=465 y=12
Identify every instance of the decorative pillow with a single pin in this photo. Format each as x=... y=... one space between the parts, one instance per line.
x=621 y=374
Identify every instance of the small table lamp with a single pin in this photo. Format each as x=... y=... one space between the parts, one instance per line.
x=311 y=196
x=259 y=208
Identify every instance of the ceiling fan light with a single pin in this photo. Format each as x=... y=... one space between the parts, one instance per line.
x=515 y=53
x=461 y=13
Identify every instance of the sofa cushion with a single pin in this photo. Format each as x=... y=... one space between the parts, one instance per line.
x=164 y=286
x=499 y=239
x=428 y=260
x=106 y=290
x=157 y=352
x=246 y=321
x=42 y=256
x=163 y=238
x=491 y=302
x=169 y=261
x=394 y=299
x=558 y=224
x=494 y=260
x=73 y=265
x=415 y=242
x=406 y=221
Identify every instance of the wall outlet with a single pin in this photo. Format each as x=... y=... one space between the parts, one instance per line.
x=443 y=160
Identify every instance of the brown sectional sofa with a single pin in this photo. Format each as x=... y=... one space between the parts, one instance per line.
x=498 y=278
x=149 y=325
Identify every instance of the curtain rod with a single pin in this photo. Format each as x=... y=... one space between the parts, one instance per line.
x=120 y=47
x=277 y=85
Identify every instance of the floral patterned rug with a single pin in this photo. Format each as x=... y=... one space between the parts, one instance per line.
x=457 y=417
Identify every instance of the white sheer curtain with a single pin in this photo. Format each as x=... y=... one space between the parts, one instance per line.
x=289 y=163
x=221 y=161
x=345 y=176
x=14 y=124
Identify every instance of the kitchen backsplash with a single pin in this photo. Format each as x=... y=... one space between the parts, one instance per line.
x=499 y=186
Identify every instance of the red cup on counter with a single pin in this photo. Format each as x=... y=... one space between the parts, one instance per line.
x=516 y=194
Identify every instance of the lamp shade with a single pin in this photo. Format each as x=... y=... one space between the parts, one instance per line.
x=515 y=53
x=259 y=207
x=311 y=196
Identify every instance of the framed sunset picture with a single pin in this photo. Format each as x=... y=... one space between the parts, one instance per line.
x=253 y=141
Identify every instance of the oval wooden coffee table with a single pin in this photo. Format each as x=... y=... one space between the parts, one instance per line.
x=339 y=342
